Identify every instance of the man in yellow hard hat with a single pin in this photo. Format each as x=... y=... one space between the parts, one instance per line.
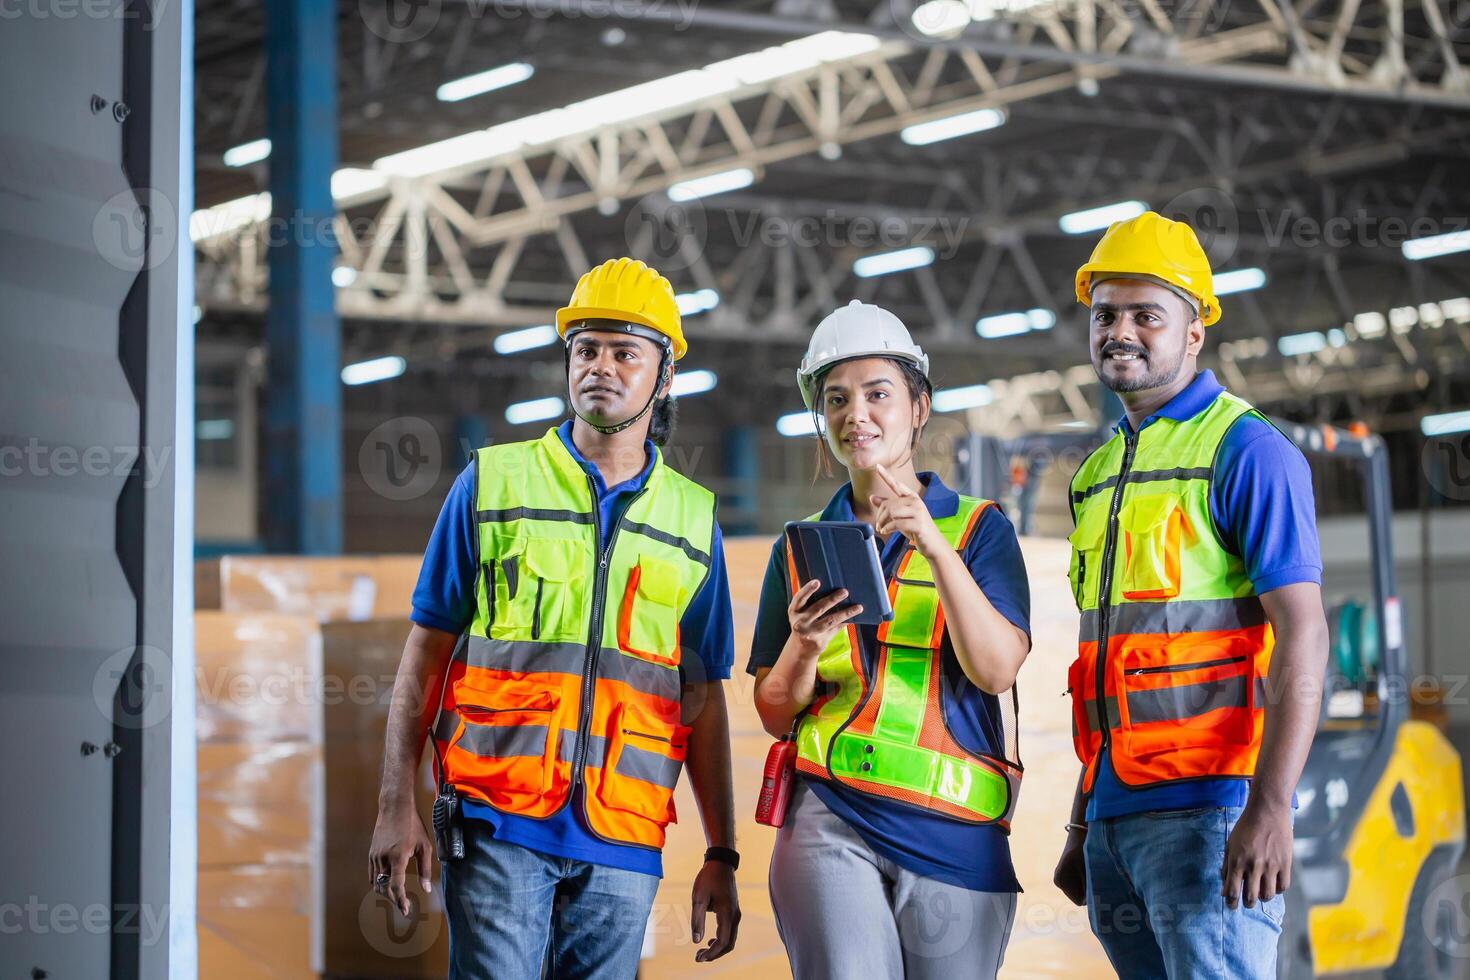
x=1196 y=567
x=572 y=630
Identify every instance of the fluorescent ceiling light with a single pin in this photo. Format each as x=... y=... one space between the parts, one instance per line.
x=954 y=399
x=527 y=339
x=728 y=180
x=1436 y=245
x=938 y=18
x=1370 y=324
x=247 y=153
x=485 y=81
x=693 y=383
x=922 y=134
x=1296 y=344
x=1446 y=424
x=1040 y=319
x=647 y=99
x=886 y=262
x=796 y=424
x=534 y=410
x=1003 y=325
x=698 y=301
x=344 y=276
x=1457 y=309
x=198 y=313
x=377 y=369
x=1238 y=281
x=229 y=216
x=1096 y=219
x=1337 y=337
x=210 y=430
x=351 y=181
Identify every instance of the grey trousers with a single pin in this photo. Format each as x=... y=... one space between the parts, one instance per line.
x=844 y=911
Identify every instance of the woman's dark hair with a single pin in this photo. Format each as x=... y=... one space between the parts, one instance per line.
x=913 y=378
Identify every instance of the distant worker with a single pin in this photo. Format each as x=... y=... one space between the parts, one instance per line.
x=1196 y=566
x=893 y=860
x=560 y=738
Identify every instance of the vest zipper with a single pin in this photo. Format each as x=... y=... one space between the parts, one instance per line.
x=1105 y=591
x=656 y=738
x=1173 y=668
x=594 y=638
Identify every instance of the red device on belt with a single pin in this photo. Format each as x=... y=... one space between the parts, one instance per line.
x=776 y=782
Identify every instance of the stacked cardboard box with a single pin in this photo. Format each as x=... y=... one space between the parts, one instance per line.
x=259 y=794
x=353 y=588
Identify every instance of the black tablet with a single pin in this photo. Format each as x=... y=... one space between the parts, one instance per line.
x=842 y=555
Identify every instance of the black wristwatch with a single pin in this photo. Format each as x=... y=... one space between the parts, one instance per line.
x=724 y=855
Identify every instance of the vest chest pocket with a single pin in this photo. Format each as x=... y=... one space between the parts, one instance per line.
x=648 y=619
x=535 y=594
x=1153 y=530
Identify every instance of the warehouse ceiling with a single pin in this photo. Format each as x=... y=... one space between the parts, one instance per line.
x=1306 y=140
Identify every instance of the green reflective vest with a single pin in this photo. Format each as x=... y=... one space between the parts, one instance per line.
x=883 y=732
x=569 y=672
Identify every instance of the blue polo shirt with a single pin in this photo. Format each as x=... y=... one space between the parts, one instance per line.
x=1262 y=504
x=444 y=599
x=928 y=844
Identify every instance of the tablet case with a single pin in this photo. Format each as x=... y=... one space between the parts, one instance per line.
x=842 y=555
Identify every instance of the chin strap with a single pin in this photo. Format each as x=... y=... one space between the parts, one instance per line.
x=607 y=430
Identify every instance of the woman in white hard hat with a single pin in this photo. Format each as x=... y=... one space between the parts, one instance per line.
x=893 y=858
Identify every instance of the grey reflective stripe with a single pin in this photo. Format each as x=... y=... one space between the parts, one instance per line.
x=527 y=657
x=672 y=540
x=532 y=514
x=651 y=767
x=1175 y=703
x=641 y=675
x=1144 y=476
x=1178 y=616
x=493 y=741
x=447 y=725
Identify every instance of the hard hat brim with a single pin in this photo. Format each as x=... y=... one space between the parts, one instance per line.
x=568 y=315
x=1209 y=307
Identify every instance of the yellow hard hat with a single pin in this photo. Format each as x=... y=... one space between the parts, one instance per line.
x=626 y=290
x=1154 y=247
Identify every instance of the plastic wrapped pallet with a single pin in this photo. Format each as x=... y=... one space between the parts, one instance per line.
x=350 y=588
x=255 y=922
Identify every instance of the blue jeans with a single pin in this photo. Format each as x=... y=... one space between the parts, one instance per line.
x=513 y=911
x=1153 y=897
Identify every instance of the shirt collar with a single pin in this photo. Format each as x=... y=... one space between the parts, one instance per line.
x=938 y=498
x=650 y=457
x=1198 y=396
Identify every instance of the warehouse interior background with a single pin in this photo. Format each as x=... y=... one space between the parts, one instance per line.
x=286 y=264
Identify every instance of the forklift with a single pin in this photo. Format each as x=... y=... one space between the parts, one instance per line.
x=1380 y=821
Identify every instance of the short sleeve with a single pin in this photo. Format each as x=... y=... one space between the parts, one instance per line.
x=772 y=627
x=708 y=626
x=444 y=598
x=1263 y=506
x=993 y=555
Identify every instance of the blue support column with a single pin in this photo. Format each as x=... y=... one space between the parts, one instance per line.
x=740 y=510
x=303 y=410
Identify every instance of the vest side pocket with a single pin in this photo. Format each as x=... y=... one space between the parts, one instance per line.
x=1086 y=561
x=645 y=755
x=648 y=618
x=506 y=743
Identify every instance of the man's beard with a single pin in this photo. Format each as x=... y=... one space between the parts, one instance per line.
x=1150 y=378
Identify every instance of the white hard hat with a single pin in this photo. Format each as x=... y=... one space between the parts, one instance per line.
x=856 y=330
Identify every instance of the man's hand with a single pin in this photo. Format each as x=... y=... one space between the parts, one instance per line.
x=1258 y=854
x=1071 y=873
x=398 y=836
x=714 y=891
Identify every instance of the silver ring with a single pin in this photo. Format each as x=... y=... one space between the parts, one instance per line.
x=382 y=879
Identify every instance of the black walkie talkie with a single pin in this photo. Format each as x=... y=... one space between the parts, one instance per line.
x=447 y=816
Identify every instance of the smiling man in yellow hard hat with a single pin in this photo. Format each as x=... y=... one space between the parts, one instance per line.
x=1196 y=567
x=572 y=630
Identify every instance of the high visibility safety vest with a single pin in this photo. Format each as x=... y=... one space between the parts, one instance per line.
x=1177 y=691
x=880 y=728
x=569 y=673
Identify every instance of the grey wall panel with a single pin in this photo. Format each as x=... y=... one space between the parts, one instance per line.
x=88 y=316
